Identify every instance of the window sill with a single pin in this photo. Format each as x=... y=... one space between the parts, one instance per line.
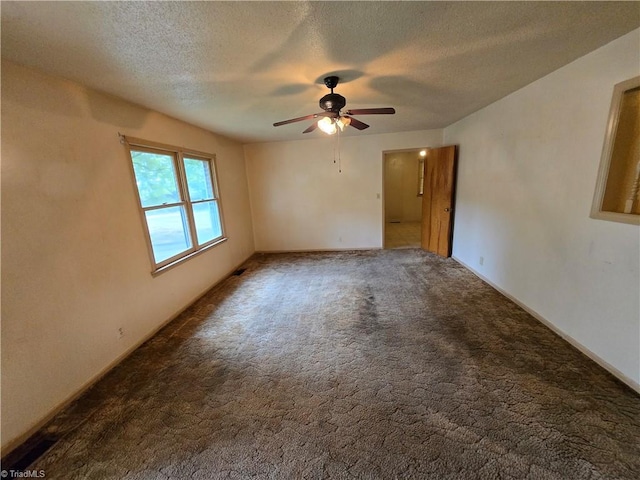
x=631 y=218
x=180 y=260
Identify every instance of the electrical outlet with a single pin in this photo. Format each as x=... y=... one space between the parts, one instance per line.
x=120 y=332
x=481 y=261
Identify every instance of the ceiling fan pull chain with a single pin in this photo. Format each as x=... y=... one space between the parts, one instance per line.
x=339 y=158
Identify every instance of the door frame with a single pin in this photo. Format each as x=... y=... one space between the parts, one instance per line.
x=382 y=187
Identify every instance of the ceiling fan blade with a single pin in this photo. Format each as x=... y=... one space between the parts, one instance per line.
x=293 y=120
x=372 y=111
x=311 y=127
x=357 y=123
x=306 y=117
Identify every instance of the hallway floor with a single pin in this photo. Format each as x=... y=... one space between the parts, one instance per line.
x=402 y=235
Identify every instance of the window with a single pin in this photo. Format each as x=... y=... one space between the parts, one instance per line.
x=617 y=195
x=179 y=200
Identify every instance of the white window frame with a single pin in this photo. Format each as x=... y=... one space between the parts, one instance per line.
x=178 y=154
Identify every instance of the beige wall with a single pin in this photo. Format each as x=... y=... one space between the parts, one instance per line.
x=75 y=266
x=526 y=179
x=401 y=176
x=300 y=200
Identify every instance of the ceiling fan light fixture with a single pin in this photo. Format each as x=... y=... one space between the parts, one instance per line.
x=343 y=122
x=327 y=125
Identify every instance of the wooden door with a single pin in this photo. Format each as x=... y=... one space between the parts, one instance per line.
x=438 y=200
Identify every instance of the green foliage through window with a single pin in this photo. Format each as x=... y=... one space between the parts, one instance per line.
x=156 y=178
x=198 y=179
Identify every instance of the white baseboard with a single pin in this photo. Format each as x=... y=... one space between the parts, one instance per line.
x=317 y=250
x=569 y=339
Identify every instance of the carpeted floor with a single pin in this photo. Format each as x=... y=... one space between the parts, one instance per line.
x=369 y=365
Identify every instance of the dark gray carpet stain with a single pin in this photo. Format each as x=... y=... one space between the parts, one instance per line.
x=368 y=365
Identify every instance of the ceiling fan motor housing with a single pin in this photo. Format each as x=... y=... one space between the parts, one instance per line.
x=332 y=102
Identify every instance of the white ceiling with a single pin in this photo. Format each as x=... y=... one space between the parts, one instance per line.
x=237 y=67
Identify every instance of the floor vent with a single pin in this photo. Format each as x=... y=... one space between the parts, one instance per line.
x=239 y=272
x=20 y=459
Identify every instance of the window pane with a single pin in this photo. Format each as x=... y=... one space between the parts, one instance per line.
x=198 y=179
x=207 y=219
x=156 y=178
x=168 y=231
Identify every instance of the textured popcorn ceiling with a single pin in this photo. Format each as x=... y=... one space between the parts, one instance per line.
x=237 y=67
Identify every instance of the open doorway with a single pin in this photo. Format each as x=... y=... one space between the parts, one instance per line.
x=403 y=189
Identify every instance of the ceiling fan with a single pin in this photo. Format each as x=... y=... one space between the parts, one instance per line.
x=333 y=118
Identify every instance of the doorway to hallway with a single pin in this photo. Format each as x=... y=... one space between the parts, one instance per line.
x=403 y=185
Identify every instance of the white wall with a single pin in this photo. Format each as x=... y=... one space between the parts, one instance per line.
x=526 y=179
x=300 y=200
x=401 y=176
x=75 y=266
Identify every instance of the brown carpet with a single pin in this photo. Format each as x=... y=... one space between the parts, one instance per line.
x=368 y=365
